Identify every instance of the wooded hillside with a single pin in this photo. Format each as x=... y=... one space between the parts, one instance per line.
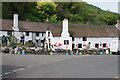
x=75 y=12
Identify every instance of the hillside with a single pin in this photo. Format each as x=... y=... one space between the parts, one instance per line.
x=75 y=12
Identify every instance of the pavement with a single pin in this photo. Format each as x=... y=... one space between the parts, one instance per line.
x=59 y=66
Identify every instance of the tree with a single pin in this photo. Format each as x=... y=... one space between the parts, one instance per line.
x=46 y=9
x=10 y=8
x=90 y=16
x=53 y=19
x=76 y=19
x=110 y=19
x=66 y=9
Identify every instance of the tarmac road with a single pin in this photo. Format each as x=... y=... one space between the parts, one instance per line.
x=59 y=66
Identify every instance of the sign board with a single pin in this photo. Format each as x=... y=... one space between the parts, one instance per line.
x=114 y=46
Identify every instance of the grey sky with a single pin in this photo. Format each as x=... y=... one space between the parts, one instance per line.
x=111 y=5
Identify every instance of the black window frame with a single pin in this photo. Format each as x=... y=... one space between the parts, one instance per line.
x=48 y=33
x=27 y=33
x=104 y=45
x=9 y=32
x=80 y=45
x=37 y=34
x=66 y=41
x=84 y=38
x=42 y=34
x=97 y=44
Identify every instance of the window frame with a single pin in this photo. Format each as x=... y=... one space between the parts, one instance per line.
x=27 y=33
x=9 y=32
x=105 y=45
x=84 y=38
x=67 y=42
x=48 y=33
x=37 y=34
x=98 y=45
x=80 y=45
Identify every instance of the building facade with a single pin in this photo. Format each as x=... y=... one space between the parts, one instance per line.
x=62 y=36
x=81 y=36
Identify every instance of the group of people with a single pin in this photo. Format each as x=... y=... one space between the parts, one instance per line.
x=17 y=50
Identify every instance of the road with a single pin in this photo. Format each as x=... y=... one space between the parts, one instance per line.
x=59 y=66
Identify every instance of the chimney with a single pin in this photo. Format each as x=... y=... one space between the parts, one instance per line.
x=15 y=23
x=65 y=32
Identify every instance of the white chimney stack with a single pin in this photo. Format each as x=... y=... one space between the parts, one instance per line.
x=65 y=25
x=15 y=23
x=65 y=28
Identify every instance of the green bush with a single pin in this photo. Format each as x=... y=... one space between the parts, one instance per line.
x=13 y=43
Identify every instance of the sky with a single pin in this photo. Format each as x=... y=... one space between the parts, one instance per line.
x=111 y=5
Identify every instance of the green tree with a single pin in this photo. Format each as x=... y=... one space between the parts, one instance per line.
x=110 y=19
x=66 y=9
x=76 y=19
x=46 y=9
x=10 y=8
x=53 y=19
x=90 y=16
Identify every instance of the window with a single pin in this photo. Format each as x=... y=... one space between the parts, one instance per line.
x=9 y=32
x=97 y=45
x=27 y=33
x=48 y=34
x=37 y=33
x=22 y=37
x=84 y=39
x=66 y=42
x=73 y=38
x=42 y=34
x=79 y=45
x=104 y=44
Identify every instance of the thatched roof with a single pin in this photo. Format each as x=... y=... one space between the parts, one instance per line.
x=85 y=30
x=25 y=26
x=74 y=30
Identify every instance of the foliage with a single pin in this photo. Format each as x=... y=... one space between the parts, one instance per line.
x=55 y=12
x=110 y=19
x=13 y=43
x=46 y=9
x=53 y=19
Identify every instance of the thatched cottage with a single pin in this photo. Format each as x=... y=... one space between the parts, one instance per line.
x=66 y=36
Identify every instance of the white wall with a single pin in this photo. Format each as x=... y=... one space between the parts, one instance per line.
x=3 y=33
x=59 y=40
x=94 y=40
x=27 y=38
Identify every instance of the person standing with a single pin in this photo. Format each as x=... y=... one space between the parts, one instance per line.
x=16 y=50
x=107 y=51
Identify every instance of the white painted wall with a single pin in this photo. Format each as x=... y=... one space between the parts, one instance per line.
x=3 y=33
x=27 y=38
x=94 y=40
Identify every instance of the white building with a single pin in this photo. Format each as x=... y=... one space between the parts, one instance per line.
x=81 y=36
x=58 y=36
x=32 y=31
